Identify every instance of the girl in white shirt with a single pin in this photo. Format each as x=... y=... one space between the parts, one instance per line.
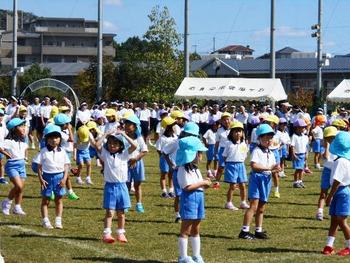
x=317 y=135
x=14 y=148
x=52 y=172
x=209 y=142
x=115 y=154
x=235 y=173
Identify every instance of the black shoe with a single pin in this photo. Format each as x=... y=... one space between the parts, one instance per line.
x=171 y=195
x=164 y=195
x=178 y=219
x=261 y=235
x=246 y=235
x=302 y=184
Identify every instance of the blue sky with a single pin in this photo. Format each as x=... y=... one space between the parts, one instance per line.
x=243 y=22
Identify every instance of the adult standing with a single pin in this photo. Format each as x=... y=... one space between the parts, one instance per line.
x=144 y=114
x=45 y=112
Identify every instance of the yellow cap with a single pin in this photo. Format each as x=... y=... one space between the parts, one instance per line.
x=236 y=125
x=111 y=112
x=177 y=114
x=339 y=123
x=91 y=125
x=83 y=134
x=167 y=121
x=330 y=131
x=225 y=114
x=2 y=106
x=22 y=108
x=272 y=118
x=127 y=114
x=54 y=111
x=63 y=108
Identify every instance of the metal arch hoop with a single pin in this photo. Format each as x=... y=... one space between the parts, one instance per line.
x=54 y=84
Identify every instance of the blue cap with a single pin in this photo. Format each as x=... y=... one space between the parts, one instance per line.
x=264 y=129
x=120 y=138
x=340 y=146
x=191 y=128
x=52 y=128
x=13 y=123
x=133 y=118
x=188 y=148
x=61 y=119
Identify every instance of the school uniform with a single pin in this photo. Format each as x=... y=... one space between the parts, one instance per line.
x=53 y=163
x=326 y=172
x=83 y=154
x=191 y=202
x=16 y=165
x=210 y=136
x=111 y=126
x=171 y=150
x=235 y=154
x=160 y=144
x=317 y=133
x=253 y=141
x=137 y=174
x=115 y=173
x=3 y=134
x=65 y=144
x=221 y=138
x=275 y=146
x=260 y=182
x=340 y=205
x=285 y=141
x=300 y=144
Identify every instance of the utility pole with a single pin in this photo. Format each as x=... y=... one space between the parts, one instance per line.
x=214 y=48
x=186 y=51
x=14 y=49
x=272 y=41
x=99 y=54
x=319 y=50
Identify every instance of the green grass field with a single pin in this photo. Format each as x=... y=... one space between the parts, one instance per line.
x=295 y=236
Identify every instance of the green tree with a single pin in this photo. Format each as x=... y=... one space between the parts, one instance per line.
x=34 y=73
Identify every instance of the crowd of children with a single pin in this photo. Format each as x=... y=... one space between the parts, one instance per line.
x=118 y=139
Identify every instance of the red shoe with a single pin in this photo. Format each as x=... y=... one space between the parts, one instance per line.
x=216 y=185
x=108 y=239
x=74 y=171
x=307 y=170
x=344 y=252
x=327 y=250
x=121 y=238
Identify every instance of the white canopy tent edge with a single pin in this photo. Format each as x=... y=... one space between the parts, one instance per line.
x=341 y=93
x=232 y=89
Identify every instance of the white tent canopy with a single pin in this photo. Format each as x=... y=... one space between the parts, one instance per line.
x=341 y=93
x=232 y=89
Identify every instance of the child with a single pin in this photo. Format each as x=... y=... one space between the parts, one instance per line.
x=112 y=123
x=329 y=134
x=339 y=195
x=3 y=134
x=255 y=121
x=96 y=133
x=136 y=167
x=82 y=141
x=192 y=197
x=235 y=173
x=209 y=142
x=263 y=164
x=283 y=135
x=14 y=148
x=63 y=121
x=317 y=135
x=299 y=143
x=53 y=173
x=115 y=154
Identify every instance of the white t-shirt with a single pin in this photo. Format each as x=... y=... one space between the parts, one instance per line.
x=235 y=152
x=45 y=111
x=159 y=129
x=204 y=117
x=328 y=163
x=195 y=117
x=317 y=132
x=36 y=109
x=299 y=143
x=52 y=161
x=254 y=137
x=16 y=149
x=111 y=126
x=83 y=145
x=284 y=137
x=177 y=129
x=243 y=118
x=10 y=109
x=171 y=149
x=163 y=141
x=144 y=114
x=276 y=142
x=141 y=146
x=265 y=158
x=115 y=166
x=340 y=172
x=221 y=136
x=65 y=144
x=3 y=132
x=210 y=136
x=186 y=178
x=83 y=116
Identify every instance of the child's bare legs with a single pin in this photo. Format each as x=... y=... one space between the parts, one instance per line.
x=16 y=192
x=208 y=165
x=219 y=173
x=250 y=212
x=121 y=219
x=44 y=207
x=138 y=192
x=108 y=222
x=276 y=183
x=322 y=198
x=230 y=193
x=259 y=216
x=59 y=206
x=88 y=172
x=170 y=182
x=162 y=182
x=242 y=192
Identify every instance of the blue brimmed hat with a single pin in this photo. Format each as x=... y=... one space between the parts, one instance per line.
x=14 y=123
x=120 y=138
x=61 y=119
x=133 y=118
x=340 y=146
x=264 y=129
x=51 y=129
x=191 y=128
x=188 y=148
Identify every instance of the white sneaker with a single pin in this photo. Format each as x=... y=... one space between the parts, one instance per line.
x=79 y=181
x=230 y=206
x=58 y=223
x=6 y=206
x=32 y=146
x=88 y=181
x=18 y=211
x=244 y=205
x=281 y=174
x=319 y=216
x=47 y=224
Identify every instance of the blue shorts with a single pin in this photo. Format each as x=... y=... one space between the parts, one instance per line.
x=83 y=156
x=15 y=168
x=252 y=147
x=192 y=205
x=283 y=152
x=316 y=146
x=137 y=174
x=299 y=163
x=163 y=165
x=235 y=173
x=276 y=153
x=53 y=185
x=211 y=156
x=35 y=167
x=1 y=156
x=177 y=188
x=259 y=186
x=340 y=205
x=92 y=152
x=325 y=178
x=116 y=196
x=220 y=157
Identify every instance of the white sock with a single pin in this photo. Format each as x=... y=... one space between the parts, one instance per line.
x=107 y=231
x=88 y=178
x=196 y=246
x=276 y=189
x=164 y=190
x=245 y=228
x=320 y=210
x=330 y=241
x=258 y=229
x=18 y=206
x=70 y=191
x=348 y=243
x=177 y=214
x=46 y=220
x=183 y=243
x=120 y=231
x=171 y=190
